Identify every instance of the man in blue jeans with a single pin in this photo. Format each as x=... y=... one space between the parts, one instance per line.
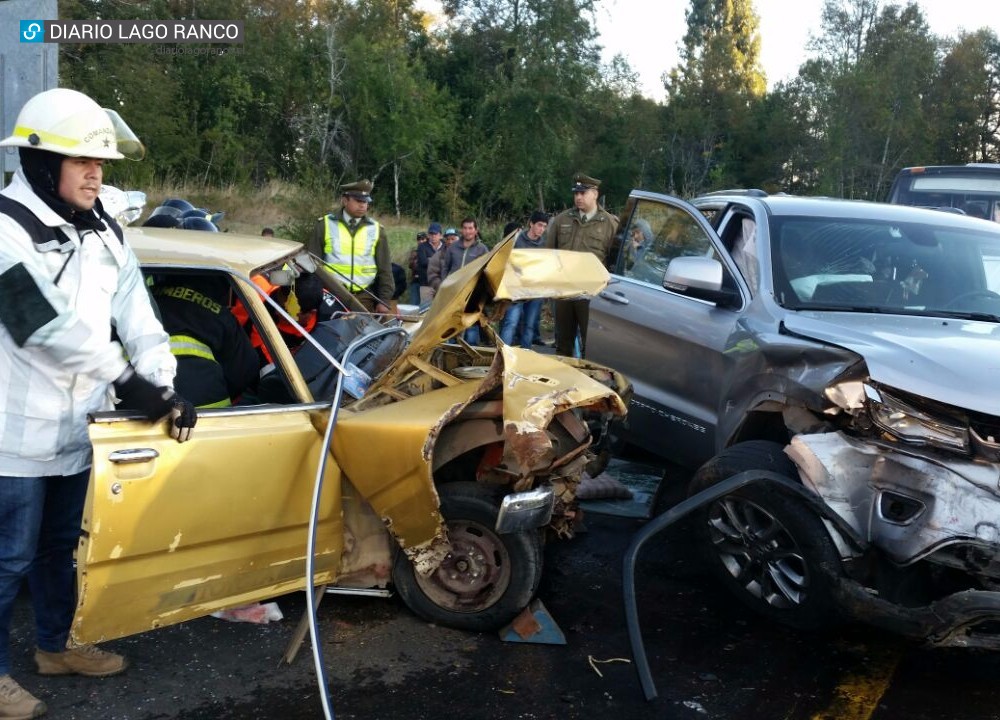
x=524 y=315
x=67 y=278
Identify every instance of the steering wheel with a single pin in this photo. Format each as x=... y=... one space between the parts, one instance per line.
x=971 y=295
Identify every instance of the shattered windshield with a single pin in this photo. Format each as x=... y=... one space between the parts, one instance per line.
x=870 y=265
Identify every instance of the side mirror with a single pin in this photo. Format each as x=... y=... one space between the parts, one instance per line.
x=700 y=278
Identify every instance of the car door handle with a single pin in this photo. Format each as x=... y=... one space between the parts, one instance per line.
x=134 y=455
x=615 y=297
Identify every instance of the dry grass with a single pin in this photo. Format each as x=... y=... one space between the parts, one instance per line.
x=290 y=210
x=274 y=205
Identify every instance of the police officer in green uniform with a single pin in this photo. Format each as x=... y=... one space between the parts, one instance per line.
x=585 y=227
x=356 y=249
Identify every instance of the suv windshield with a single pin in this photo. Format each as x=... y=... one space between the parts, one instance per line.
x=881 y=266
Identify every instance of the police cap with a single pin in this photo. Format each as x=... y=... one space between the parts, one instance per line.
x=360 y=190
x=583 y=182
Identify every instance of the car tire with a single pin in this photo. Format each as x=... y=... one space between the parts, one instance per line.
x=487 y=579
x=771 y=550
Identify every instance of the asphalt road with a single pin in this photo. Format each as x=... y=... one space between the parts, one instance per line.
x=709 y=657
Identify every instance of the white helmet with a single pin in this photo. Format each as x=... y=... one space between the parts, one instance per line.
x=68 y=122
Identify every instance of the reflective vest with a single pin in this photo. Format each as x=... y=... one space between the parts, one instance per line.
x=352 y=257
x=289 y=332
x=185 y=345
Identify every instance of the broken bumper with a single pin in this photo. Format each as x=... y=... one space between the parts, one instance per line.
x=525 y=510
x=908 y=503
x=970 y=618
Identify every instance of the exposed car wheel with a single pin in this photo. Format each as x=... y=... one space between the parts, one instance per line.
x=487 y=579
x=768 y=548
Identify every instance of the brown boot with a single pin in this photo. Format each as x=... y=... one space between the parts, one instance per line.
x=16 y=703
x=87 y=660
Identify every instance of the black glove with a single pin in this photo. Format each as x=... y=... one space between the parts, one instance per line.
x=137 y=393
x=182 y=418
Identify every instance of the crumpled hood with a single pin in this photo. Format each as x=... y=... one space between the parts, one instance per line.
x=501 y=274
x=950 y=360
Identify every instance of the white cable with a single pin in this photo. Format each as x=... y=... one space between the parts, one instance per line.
x=317 y=491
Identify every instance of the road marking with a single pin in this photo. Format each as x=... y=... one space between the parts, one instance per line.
x=857 y=696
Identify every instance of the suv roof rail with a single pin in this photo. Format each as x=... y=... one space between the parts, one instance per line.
x=750 y=192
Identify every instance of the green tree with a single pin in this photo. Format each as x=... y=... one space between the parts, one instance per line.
x=867 y=100
x=524 y=73
x=221 y=117
x=388 y=109
x=965 y=102
x=711 y=92
x=376 y=112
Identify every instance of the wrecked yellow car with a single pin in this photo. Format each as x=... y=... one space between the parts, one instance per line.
x=441 y=478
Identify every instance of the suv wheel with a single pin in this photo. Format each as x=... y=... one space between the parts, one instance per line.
x=487 y=579
x=768 y=548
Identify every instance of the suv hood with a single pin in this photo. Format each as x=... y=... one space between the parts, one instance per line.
x=949 y=360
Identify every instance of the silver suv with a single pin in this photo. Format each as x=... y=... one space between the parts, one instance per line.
x=851 y=347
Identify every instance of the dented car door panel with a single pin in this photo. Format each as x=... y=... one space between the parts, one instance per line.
x=627 y=322
x=196 y=527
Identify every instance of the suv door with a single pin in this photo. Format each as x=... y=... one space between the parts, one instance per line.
x=671 y=346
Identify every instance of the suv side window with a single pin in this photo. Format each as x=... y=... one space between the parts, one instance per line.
x=656 y=234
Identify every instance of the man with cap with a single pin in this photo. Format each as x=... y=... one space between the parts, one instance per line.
x=434 y=270
x=585 y=227
x=356 y=249
x=425 y=251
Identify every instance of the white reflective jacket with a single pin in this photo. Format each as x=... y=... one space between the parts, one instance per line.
x=64 y=364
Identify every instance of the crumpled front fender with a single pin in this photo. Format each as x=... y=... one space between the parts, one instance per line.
x=388 y=451
x=536 y=388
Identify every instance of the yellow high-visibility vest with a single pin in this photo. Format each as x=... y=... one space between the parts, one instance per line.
x=351 y=257
x=181 y=345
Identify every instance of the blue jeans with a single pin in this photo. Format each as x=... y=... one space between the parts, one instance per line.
x=40 y=521
x=511 y=321
x=532 y=316
x=520 y=322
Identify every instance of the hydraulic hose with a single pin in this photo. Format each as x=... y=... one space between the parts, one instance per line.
x=685 y=508
x=317 y=650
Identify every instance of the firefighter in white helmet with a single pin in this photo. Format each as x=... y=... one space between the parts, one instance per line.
x=68 y=281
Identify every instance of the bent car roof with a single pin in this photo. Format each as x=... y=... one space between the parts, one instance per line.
x=240 y=253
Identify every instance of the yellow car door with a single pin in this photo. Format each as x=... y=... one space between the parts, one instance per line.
x=175 y=531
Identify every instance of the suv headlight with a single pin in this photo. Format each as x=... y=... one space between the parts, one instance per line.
x=915 y=426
